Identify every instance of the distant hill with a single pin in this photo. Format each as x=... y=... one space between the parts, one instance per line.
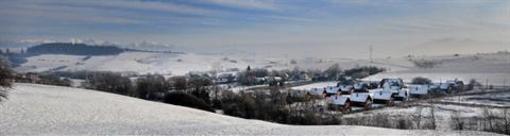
x=73 y=49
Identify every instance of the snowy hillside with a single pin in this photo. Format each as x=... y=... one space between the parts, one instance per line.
x=40 y=109
x=140 y=62
x=178 y=64
x=78 y=57
x=482 y=67
x=493 y=68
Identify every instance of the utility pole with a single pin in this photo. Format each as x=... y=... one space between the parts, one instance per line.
x=504 y=83
x=370 y=55
x=487 y=83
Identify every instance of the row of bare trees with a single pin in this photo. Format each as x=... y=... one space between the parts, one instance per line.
x=492 y=120
x=275 y=105
x=419 y=120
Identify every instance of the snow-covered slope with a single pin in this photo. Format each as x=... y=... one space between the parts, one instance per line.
x=493 y=68
x=179 y=64
x=40 y=109
x=140 y=62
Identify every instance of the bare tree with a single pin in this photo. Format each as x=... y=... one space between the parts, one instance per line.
x=418 y=116
x=425 y=63
x=421 y=80
x=489 y=118
x=6 y=78
x=403 y=123
x=382 y=120
x=457 y=120
x=433 y=117
x=333 y=71
x=507 y=121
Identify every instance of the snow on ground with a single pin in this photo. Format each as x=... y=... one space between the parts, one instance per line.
x=178 y=64
x=492 y=68
x=346 y=63
x=492 y=78
x=466 y=106
x=238 y=89
x=40 y=109
x=496 y=99
x=141 y=62
x=315 y=85
x=443 y=113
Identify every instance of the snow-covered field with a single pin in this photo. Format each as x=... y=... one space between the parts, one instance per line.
x=492 y=68
x=315 y=85
x=179 y=64
x=498 y=79
x=443 y=113
x=495 y=99
x=140 y=62
x=40 y=109
x=468 y=107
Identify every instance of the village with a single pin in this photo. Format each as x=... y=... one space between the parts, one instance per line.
x=348 y=93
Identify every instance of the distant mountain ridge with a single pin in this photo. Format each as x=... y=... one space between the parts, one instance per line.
x=73 y=49
x=82 y=49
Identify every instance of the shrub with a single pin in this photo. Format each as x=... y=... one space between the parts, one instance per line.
x=457 y=121
x=199 y=85
x=3 y=94
x=425 y=63
x=472 y=84
x=183 y=99
x=421 y=81
x=403 y=124
x=293 y=61
x=249 y=76
x=51 y=79
x=307 y=118
x=275 y=106
x=362 y=72
x=333 y=72
x=109 y=82
x=179 y=82
x=243 y=106
x=151 y=87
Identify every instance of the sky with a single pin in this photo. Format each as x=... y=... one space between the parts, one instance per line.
x=296 y=28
